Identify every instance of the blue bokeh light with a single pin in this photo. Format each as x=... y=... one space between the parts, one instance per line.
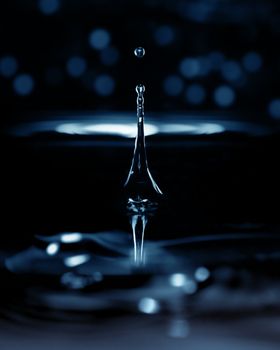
x=195 y=94
x=205 y=66
x=109 y=56
x=76 y=66
x=173 y=85
x=231 y=71
x=274 y=108
x=164 y=35
x=8 y=66
x=196 y=11
x=189 y=67
x=148 y=306
x=252 y=62
x=224 y=96
x=49 y=7
x=23 y=84
x=99 y=39
x=104 y=85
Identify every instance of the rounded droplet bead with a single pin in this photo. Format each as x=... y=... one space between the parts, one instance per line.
x=139 y=52
x=140 y=89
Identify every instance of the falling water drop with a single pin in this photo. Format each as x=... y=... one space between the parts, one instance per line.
x=139 y=52
x=142 y=190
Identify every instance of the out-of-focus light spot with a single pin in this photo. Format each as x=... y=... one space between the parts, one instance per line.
x=179 y=329
x=49 y=7
x=173 y=85
x=201 y=274
x=76 y=66
x=52 y=248
x=192 y=129
x=124 y=130
x=54 y=76
x=178 y=280
x=195 y=94
x=23 y=84
x=120 y=129
x=190 y=287
x=97 y=276
x=109 y=56
x=104 y=85
x=71 y=237
x=148 y=306
x=99 y=39
x=164 y=35
x=190 y=67
x=74 y=280
x=216 y=59
x=274 y=108
x=204 y=66
x=252 y=61
x=8 y=66
x=76 y=260
x=198 y=12
x=224 y=96
x=231 y=71
x=129 y=129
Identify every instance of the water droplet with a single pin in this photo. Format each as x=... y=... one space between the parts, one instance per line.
x=140 y=89
x=142 y=190
x=139 y=52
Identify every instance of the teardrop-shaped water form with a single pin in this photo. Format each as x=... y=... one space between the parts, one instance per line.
x=141 y=188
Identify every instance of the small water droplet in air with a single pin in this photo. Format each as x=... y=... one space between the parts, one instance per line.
x=139 y=52
x=140 y=89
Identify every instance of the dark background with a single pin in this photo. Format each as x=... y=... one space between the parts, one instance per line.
x=54 y=57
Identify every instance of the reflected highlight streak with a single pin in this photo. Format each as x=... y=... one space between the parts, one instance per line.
x=128 y=130
x=76 y=260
